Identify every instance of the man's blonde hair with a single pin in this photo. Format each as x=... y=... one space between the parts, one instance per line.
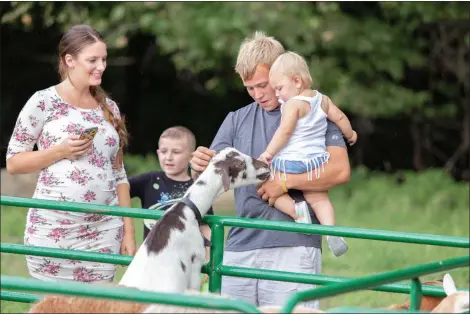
x=256 y=50
x=292 y=64
x=180 y=132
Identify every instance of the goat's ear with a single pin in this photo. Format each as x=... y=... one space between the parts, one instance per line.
x=449 y=285
x=225 y=179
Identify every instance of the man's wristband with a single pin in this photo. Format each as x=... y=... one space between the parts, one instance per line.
x=283 y=185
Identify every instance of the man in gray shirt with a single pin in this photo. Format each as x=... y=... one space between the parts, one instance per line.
x=250 y=130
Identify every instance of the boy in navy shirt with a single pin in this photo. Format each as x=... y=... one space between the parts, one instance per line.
x=175 y=147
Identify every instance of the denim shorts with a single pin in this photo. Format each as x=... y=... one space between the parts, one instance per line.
x=309 y=165
x=295 y=166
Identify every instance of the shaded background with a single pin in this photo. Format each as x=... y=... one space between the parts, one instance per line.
x=399 y=70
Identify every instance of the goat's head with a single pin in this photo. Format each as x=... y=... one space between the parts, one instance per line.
x=456 y=301
x=238 y=169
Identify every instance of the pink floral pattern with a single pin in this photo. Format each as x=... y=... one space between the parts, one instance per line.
x=41 y=105
x=91 y=117
x=120 y=234
x=86 y=275
x=47 y=120
x=65 y=222
x=36 y=219
x=93 y=217
x=73 y=128
x=79 y=176
x=86 y=232
x=111 y=141
x=58 y=109
x=57 y=233
x=21 y=133
x=47 y=178
x=47 y=140
x=33 y=121
x=89 y=196
x=49 y=267
x=73 y=261
x=96 y=158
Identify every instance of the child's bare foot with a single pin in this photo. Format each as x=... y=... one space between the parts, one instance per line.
x=302 y=213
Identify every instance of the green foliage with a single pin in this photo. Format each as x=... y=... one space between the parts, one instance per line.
x=381 y=62
x=358 y=59
x=431 y=192
x=137 y=164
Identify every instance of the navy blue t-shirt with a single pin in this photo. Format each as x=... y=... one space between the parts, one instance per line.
x=155 y=187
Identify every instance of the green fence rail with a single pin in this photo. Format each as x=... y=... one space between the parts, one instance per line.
x=125 y=294
x=371 y=281
x=215 y=268
x=368 y=282
x=229 y=270
x=225 y=221
x=19 y=297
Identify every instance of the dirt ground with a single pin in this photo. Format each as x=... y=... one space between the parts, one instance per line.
x=224 y=203
x=20 y=185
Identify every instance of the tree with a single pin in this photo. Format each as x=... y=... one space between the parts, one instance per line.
x=378 y=60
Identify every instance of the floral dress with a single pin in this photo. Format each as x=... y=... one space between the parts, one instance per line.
x=47 y=120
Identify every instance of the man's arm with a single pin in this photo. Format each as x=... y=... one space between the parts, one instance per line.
x=337 y=170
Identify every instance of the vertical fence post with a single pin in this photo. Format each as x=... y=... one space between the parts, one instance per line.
x=415 y=294
x=217 y=255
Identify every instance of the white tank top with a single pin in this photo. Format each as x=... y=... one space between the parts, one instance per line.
x=308 y=138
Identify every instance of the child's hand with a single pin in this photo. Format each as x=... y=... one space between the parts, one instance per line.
x=266 y=157
x=352 y=140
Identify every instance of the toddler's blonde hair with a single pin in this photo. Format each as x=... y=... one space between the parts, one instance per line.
x=292 y=64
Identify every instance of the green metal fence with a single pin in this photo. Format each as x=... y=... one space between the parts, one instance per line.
x=215 y=268
x=126 y=294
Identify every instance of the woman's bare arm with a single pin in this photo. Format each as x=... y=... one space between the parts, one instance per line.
x=28 y=162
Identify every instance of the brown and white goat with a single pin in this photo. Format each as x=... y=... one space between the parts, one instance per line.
x=171 y=257
x=456 y=301
x=428 y=303
x=65 y=304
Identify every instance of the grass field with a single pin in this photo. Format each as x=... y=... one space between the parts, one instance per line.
x=428 y=203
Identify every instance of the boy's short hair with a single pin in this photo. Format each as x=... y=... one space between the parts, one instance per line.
x=292 y=64
x=255 y=50
x=180 y=132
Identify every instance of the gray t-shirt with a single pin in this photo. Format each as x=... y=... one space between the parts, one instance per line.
x=250 y=129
